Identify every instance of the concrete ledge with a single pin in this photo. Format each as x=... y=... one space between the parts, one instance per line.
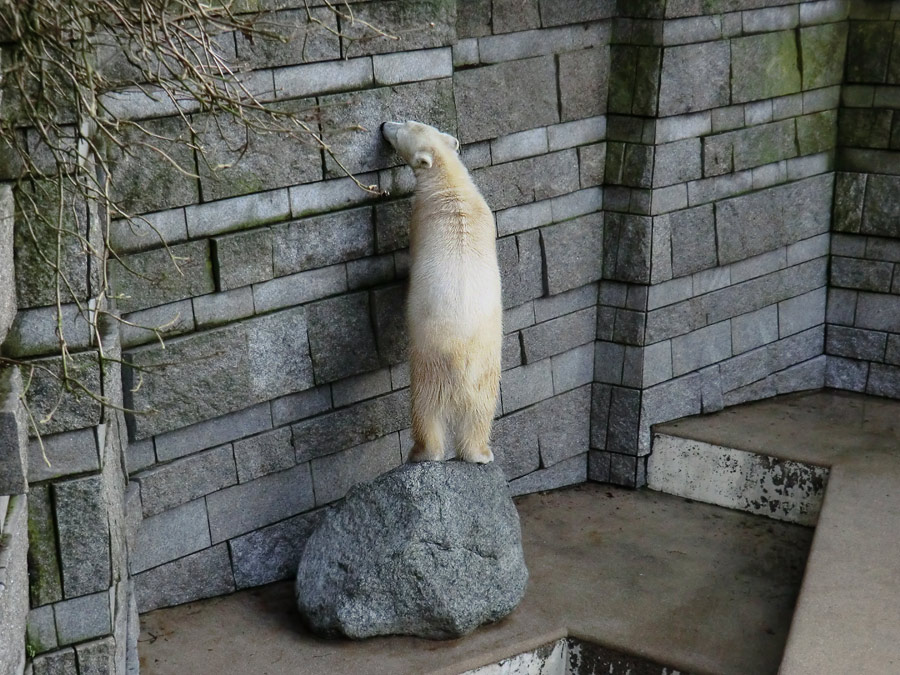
x=847 y=615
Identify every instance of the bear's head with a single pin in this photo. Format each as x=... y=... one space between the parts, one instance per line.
x=418 y=143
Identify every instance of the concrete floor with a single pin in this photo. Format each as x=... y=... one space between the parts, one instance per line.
x=848 y=616
x=696 y=587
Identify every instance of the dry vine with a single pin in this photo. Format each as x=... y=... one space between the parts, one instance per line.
x=62 y=120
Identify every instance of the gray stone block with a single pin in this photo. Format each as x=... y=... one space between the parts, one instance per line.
x=803 y=376
x=392 y=225
x=370 y=272
x=163 y=321
x=869 y=44
x=695 y=77
x=592 y=162
x=425 y=64
x=43 y=560
x=515 y=444
x=70 y=410
x=236 y=161
x=97 y=657
x=303 y=404
x=160 y=276
x=701 y=348
x=841 y=306
x=82 y=524
x=525 y=217
x=422 y=24
x=609 y=360
x=191 y=439
x=575 y=11
x=67 y=453
x=624 y=420
x=61 y=662
x=670 y=292
x=634 y=77
x=668 y=401
x=7 y=262
x=878 y=311
x=568 y=301
x=203 y=574
x=351 y=122
x=512 y=15
x=263 y=454
x=771 y=54
x=475 y=21
x=752 y=392
x=892 y=354
x=365 y=421
x=847 y=374
x=598 y=466
x=626 y=247
x=801 y=312
x=333 y=475
x=745 y=369
x=754 y=146
x=657 y=363
x=290 y=37
x=487 y=108
x=520 y=260
x=764 y=220
x=626 y=470
x=754 y=329
x=881 y=206
x=14 y=462
x=884 y=380
x=601 y=396
x=170 y=535
x=36 y=280
x=577 y=132
x=14 y=579
x=693 y=29
x=299 y=288
x=574 y=252
x=465 y=52
x=758 y=266
x=864 y=275
x=360 y=387
x=525 y=44
x=219 y=308
x=518 y=145
x=271 y=553
x=83 y=618
x=559 y=335
x=243 y=258
x=323 y=240
x=677 y=162
x=248 y=506
x=519 y=317
x=526 y=385
x=797 y=348
x=178 y=482
x=41 y=629
x=264 y=358
x=237 y=213
x=34 y=331
x=711 y=390
x=572 y=471
x=323 y=78
x=341 y=338
x=573 y=368
x=583 y=81
x=693 y=240
x=145 y=179
x=389 y=315
x=563 y=426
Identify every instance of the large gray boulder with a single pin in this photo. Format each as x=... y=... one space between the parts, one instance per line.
x=431 y=549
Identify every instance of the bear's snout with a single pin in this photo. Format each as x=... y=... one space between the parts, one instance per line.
x=389 y=131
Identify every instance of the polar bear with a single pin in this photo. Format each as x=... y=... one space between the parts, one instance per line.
x=454 y=309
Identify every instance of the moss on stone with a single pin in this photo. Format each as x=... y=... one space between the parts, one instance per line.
x=764 y=66
x=822 y=49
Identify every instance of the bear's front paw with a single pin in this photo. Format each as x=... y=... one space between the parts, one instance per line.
x=420 y=453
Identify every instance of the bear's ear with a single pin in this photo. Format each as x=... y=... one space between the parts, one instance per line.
x=452 y=141
x=422 y=160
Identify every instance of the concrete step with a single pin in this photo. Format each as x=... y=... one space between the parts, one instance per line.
x=826 y=458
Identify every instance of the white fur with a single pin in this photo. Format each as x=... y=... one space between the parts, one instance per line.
x=454 y=309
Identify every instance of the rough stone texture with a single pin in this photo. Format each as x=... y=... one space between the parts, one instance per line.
x=7 y=266
x=573 y=252
x=486 y=108
x=215 y=372
x=84 y=537
x=13 y=435
x=430 y=549
x=179 y=482
x=13 y=585
x=271 y=553
x=323 y=240
x=341 y=338
x=764 y=66
x=199 y=575
x=695 y=77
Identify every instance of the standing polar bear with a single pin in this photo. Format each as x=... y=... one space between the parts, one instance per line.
x=454 y=310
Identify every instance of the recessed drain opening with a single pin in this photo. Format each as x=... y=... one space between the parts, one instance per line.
x=570 y=656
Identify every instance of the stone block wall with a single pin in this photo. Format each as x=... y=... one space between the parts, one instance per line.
x=284 y=380
x=719 y=171
x=863 y=330
x=663 y=179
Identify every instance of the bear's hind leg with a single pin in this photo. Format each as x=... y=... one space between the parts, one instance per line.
x=429 y=385
x=476 y=414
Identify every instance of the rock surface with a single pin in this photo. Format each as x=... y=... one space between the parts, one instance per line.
x=431 y=549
